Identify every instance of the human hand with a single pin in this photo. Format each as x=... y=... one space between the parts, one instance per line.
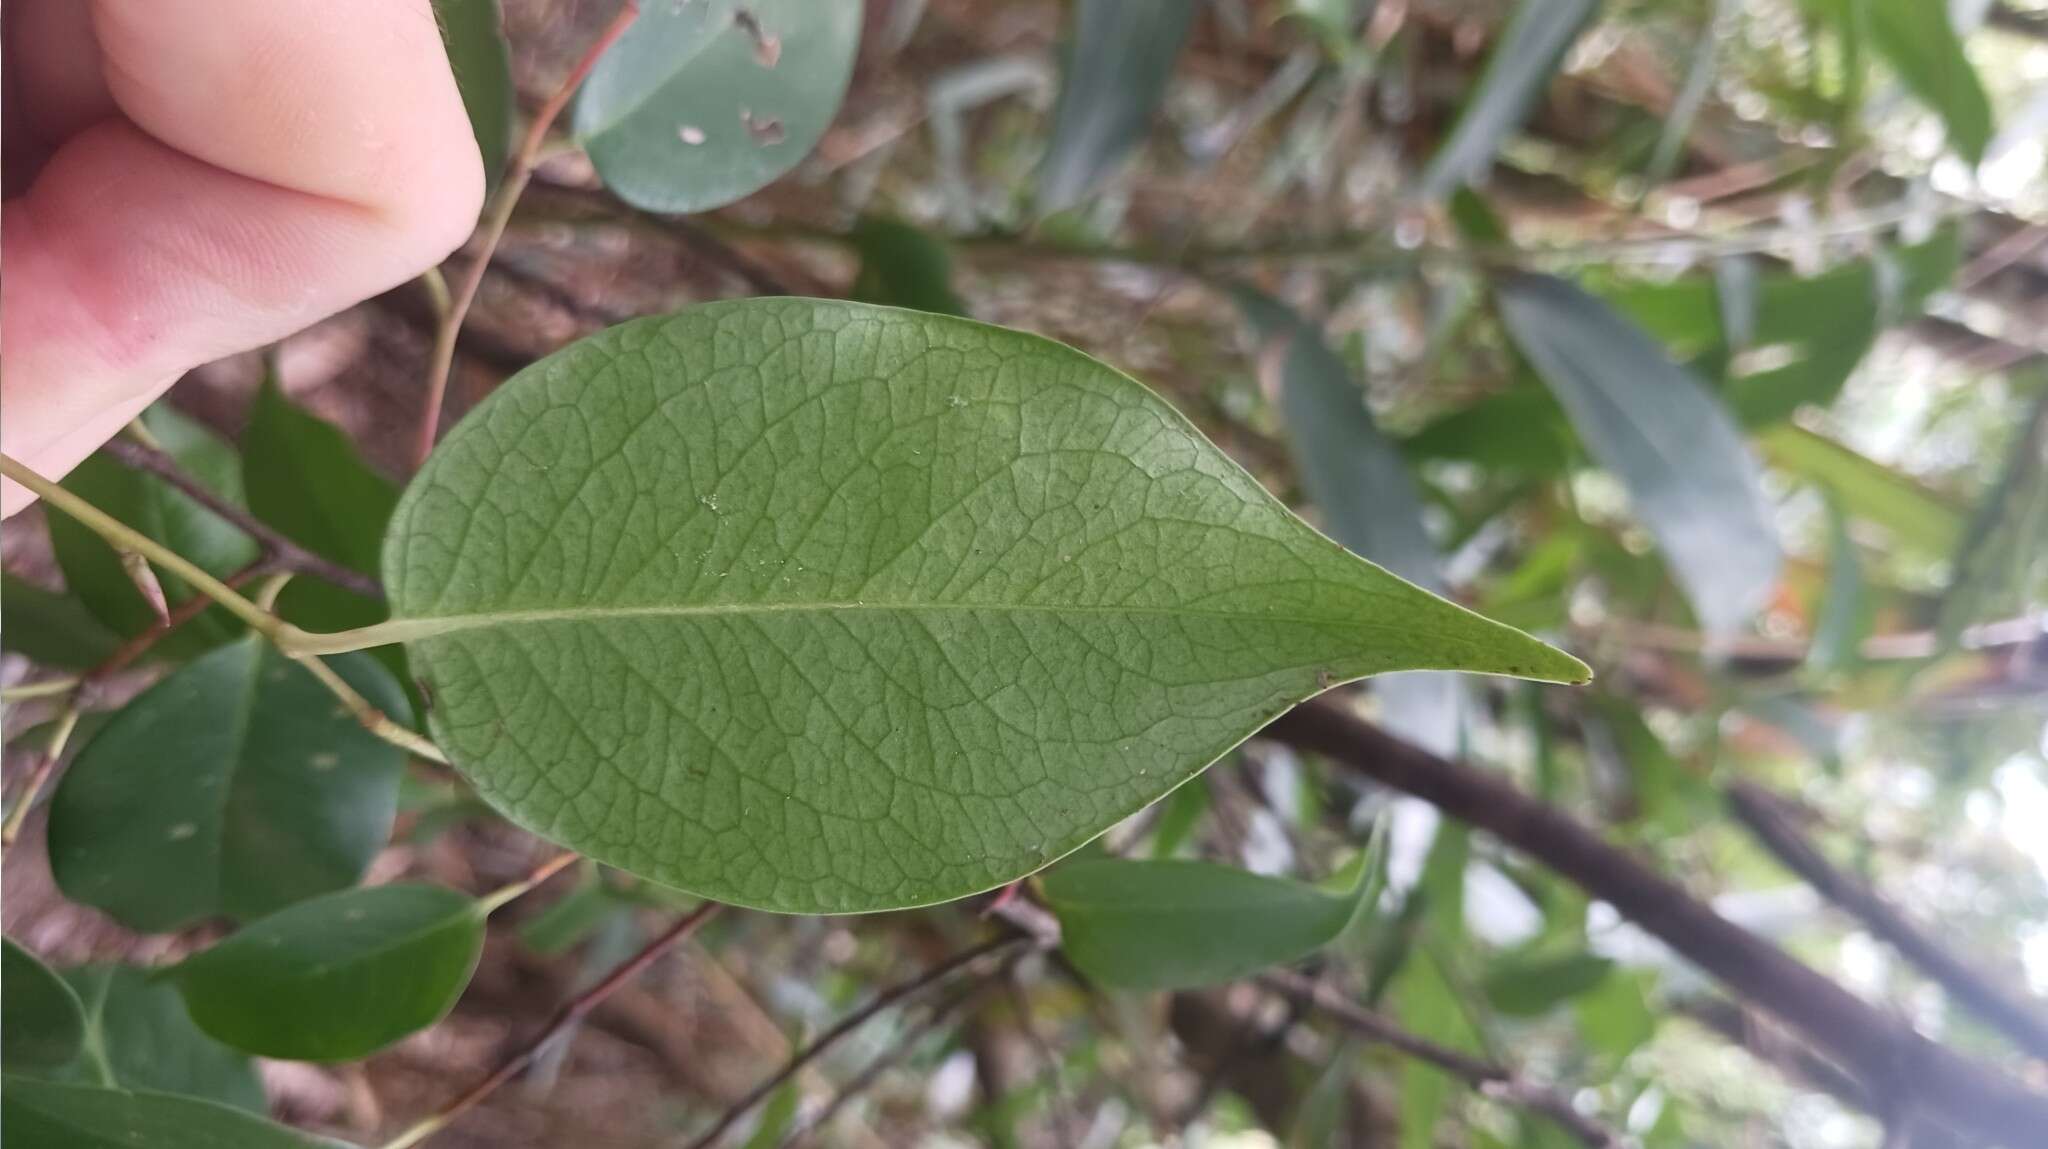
x=186 y=179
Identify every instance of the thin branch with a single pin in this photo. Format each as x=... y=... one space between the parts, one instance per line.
x=903 y=1047
x=523 y=161
x=901 y=991
x=145 y=641
x=519 y=889
x=283 y=552
x=570 y=1013
x=1889 y=1056
x=2020 y=1019
x=1489 y=1078
x=17 y=817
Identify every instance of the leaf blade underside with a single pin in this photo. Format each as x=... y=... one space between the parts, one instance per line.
x=825 y=607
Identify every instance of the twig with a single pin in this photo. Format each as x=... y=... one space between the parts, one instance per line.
x=570 y=1013
x=29 y=691
x=1969 y=1094
x=143 y=642
x=1489 y=1078
x=520 y=888
x=296 y=644
x=1762 y=812
x=18 y=816
x=904 y=1046
x=523 y=161
x=901 y=991
x=282 y=551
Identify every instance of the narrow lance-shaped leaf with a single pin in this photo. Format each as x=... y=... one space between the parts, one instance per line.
x=41 y=1022
x=1146 y=925
x=48 y=1115
x=1119 y=56
x=1917 y=38
x=1917 y=518
x=482 y=62
x=339 y=977
x=700 y=104
x=822 y=607
x=235 y=786
x=1688 y=470
x=1360 y=484
x=1518 y=70
x=138 y=1036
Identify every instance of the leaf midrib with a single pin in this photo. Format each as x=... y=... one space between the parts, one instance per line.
x=410 y=629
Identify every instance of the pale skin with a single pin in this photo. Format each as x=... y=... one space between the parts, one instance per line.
x=186 y=179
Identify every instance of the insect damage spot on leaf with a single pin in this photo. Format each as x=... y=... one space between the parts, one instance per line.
x=767 y=45
x=766 y=130
x=690 y=134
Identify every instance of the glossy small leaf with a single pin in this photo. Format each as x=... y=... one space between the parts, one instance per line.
x=92 y=569
x=41 y=1022
x=339 y=977
x=902 y=266
x=51 y=627
x=51 y=1115
x=472 y=32
x=138 y=1036
x=1517 y=71
x=700 y=104
x=236 y=786
x=1919 y=41
x=1119 y=55
x=1146 y=925
x=1690 y=474
x=823 y=607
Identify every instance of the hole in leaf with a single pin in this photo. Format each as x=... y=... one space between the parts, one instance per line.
x=766 y=130
x=767 y=45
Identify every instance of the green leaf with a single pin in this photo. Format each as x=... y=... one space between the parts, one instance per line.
x=1844 y=614
x=235 y=786
x=1916 y=517
x=1527 y=987
x=1615 y=1016
x=1118 y=57
x=2001 y=560
x=902 y=266
x=701 y=104
x=93 y=570
x=775 y=1118
x=41 y=1022
x=1181 y=813
x=573 y=917
x=1518 y=70
x=1520 y=429
x=339 y=977
x=138 y=1036
x=1917 y=39
x=823 y=607
x=1688 y=470
x=305 y=478
x=48 y=1115
x=1428 y=1006
x=473 y=33
x=1146 y=925
x=50 y=627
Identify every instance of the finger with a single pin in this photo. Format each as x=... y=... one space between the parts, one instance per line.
x=268 y=172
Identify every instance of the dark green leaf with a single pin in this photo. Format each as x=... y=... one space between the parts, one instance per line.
x=902 y=266
x=1518 y=70
x=880 y=608
x=51 y=628
x=1918 y=40
x=1917 y=518
x=339 y=977
x=1690 y=474
x=775 y=1118
x=700 y=104
x=482 y=61
x=93 y=571
x=1526 y=987
x=1521 y=429
x=1182 y=811
x=1428 y=1006
x=138 y=1036
x=235 y=786
x=1170 y=925
x=48 y=1115
x=41 y=1022
x=305 y=478
x=1119 y=55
